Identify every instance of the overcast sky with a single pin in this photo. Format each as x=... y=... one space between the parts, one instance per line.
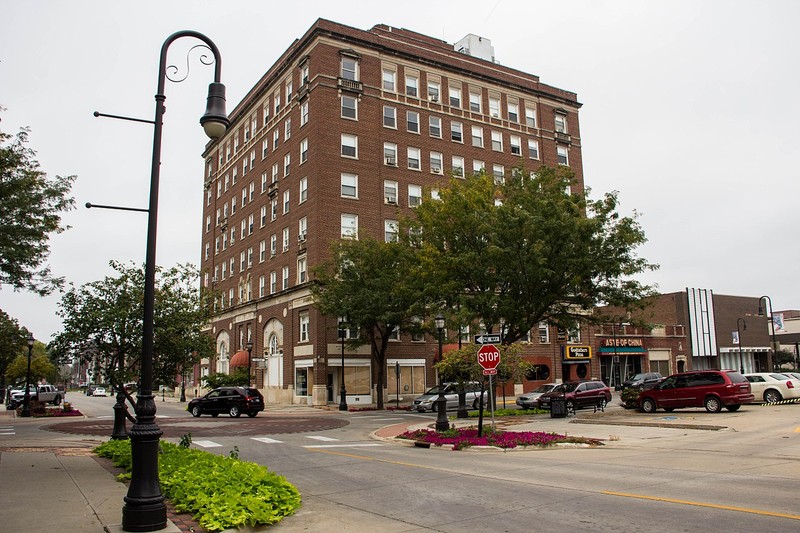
x=690 y=111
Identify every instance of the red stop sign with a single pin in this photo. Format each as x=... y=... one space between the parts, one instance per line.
x=488 y=356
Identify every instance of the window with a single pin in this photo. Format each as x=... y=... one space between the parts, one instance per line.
x=287 y=164
x=458 y=166
x=276 y=137
x=207 y=251
x=303 y=189
x=285 y=278
x=515 y=143
x=434 y=91
x=390 y=192
x=289 y=90
x=303 y=151
x=390 y=230
x=273 y=211
x=266 y=112
x=435 y=194
x=477 y=166
x=499 y=171
x=286 y=201
x=475 y=102
x=262 y=287
x=304 y=326
x=530 y=116
x=455 y=96
x=227 y=182
x=250 y=225
x=389 y=80
x=414 y=195
x=263 y=216
x=349 y=185
x=435 y=127
x=273 y=245
x=349 y=107
x=412 y=121
x=349 y=226
x=301 y=269
x=285 y=239
x=455 y=132
x=389 y=117
x=276 y=100
x=494 y=107
x=349 y=145
x=513 y=112
x=223 y=271
x=208 y=223
x=390 y=154
x=497 y=141
x=263 y=182
x=275 y=170
x=244 y=200
x=273 y=282
x=304 y=113
x=287 y=129
x=242 y=261
x=436 y=162
x=412 y=85
x=561 y=155
x=533 y=149
x=544 y=333
x=304 y=75
x=349 y=68
x=262 y=251
x=561 y=123
x=413 y=158
x=302 y=228
x=252 y=190
x=250 y=257
x=477 y=136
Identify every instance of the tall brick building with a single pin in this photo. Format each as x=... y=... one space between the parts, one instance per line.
x=346 y=131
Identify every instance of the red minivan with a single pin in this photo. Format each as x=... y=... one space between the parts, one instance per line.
x=711 y=389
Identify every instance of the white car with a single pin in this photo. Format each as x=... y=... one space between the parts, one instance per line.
x=427 y=401
x=772 y=387
x=99 y=391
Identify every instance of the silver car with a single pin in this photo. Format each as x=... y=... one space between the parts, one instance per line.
x=427 y=401
x=528 y=400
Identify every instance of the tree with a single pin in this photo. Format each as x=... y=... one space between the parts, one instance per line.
x=30 y=207
x=41 y=367
x=12 y=341
x=374 y=284
x=517 y=252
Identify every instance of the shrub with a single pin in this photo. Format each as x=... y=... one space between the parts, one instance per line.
x=466 y=437
x=629 y=396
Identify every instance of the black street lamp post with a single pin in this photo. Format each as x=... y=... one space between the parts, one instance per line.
x=26 y=400
x=342 y=391
x=442 y=423
x=773 y=350
x=249 y=362
x=739 y=338
x=144 y=508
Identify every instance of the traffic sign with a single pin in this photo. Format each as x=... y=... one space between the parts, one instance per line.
x=490 y=372
x=487 y=339
x=488 y=357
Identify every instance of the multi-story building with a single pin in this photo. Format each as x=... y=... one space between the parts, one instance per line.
x=345 y=132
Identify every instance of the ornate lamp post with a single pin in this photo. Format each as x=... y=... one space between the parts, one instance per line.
x=342 y=334
x=739 y=337
x=249 y=361
x=144 y=508
x=26 y=401
x=774 y=347
x=442 y=423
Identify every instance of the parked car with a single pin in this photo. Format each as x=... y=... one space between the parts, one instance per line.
x=99 y=391
x=773 y=387
x=528 y=400
x=577 y=394
x=645 y=380
x=427 y=401
x=231 y=400
x=711 y=389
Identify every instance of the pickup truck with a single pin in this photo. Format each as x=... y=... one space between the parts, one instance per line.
x=42 y=393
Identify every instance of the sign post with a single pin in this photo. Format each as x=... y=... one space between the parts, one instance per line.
x=489 y=358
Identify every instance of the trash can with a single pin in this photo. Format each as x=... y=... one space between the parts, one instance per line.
x=558 y=407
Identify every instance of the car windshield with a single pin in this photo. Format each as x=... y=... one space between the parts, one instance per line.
x=779 y=377
x=435 y=390
x=637 y=377
x=544 y=388
x=568 y=387
x=736 y=377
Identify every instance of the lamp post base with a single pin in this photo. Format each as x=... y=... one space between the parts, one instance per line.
x=343 y=401
x=442 y=423
x=120 y=432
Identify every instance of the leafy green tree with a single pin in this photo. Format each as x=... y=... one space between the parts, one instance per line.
x=236 y=378
x=374 y=284
x=30 y=210
x=524 y=250
x=12 y=341
x=41 y=367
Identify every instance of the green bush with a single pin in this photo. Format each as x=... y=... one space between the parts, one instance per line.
x=220 y=492
x=629 y=396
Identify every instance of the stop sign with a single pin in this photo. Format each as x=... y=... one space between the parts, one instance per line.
x=488 y=356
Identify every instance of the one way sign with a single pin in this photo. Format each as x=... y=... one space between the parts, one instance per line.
x=487 y=339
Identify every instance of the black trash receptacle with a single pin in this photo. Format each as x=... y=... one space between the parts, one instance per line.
x=558 y=407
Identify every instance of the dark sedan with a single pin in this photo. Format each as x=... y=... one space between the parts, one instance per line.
x=231 y=400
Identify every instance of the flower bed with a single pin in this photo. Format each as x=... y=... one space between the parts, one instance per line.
x=465 y=437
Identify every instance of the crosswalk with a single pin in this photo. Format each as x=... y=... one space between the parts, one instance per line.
x=6 y=431
x=331 y=442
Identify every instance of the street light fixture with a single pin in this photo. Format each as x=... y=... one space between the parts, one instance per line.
x=249 y=361
x=774 y=347
x=342 y=391
x=442 y=423
x=26 y=401
x=739 y=337
x=144 y=508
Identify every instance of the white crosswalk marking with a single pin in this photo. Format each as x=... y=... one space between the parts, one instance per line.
x=206 y=443
x=320 y=437
x=354 y=445
x=267 y=440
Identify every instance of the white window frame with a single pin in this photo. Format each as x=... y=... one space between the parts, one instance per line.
x=349 y=185
x=414 y=158
x=349 y=226
x=349 y=142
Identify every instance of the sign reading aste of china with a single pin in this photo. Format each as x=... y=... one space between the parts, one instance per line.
x=622 y=343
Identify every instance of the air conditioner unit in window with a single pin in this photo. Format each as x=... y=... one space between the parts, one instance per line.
x=391 y=199
x=495 y=115
x=434 y=98
x=391 y=161
x=543 y=340
x=436 y=170
x=301 y=238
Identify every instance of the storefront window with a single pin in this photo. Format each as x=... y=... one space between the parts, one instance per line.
x=538 y=373
x=301 y=382
x=356 y=380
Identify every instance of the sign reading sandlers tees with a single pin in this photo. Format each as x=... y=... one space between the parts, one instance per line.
x=489 y=358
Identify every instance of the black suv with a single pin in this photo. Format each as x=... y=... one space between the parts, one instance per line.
x=646 y=380
x=231 y=400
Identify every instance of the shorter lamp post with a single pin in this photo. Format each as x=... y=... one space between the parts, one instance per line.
x=773 y=349
x=441 y=402
x=249 y=361
x=739 y=338
x=26 y=401
x=342 y=391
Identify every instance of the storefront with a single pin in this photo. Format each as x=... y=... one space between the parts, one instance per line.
x=620 y=358
x=576 y=363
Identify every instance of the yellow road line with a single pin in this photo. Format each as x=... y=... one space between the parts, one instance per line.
x=702 y=504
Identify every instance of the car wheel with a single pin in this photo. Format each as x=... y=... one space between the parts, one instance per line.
x=772 y=396
x=649 y=405
x=57 y=400
x=732 y=407
x=196 y=411
x=252 y=414
x=713 y=405
x=234 y=411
